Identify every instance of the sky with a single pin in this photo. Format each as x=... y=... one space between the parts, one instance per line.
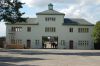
x=86 y=9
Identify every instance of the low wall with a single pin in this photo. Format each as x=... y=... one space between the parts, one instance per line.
x=15 y=46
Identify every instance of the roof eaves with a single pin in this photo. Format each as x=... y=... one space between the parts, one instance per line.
x=48 y=14
x=78 y=24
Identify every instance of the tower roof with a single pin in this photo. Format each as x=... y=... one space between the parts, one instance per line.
x=50 y=4
x=50 y=11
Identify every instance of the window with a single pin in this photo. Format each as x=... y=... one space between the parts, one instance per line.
x=19 y=41
x=83 y=30
x=50 y=29
x=16 y=41
x=12 y=41
x=16 y=29
x=13 y=29
x=28 y=29
x=62 y=42
x=83 y=43
x=79 y=29
x=70 y=29
x=50 y=19
x=36 y=42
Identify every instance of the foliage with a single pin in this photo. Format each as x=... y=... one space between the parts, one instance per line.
x=96 y=34
x=10 y=11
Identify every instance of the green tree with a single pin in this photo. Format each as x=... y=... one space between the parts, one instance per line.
x=96 y=35
x=10 y=11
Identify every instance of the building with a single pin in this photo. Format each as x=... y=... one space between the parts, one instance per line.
x=51 y=30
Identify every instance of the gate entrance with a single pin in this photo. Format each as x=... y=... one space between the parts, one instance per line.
x=50 y=42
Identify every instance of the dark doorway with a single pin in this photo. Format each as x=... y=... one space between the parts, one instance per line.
x=71 y=44
x=28 y=43
x=50 y=42
x=2 y=41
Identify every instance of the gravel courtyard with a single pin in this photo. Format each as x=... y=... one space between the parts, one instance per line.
x=49 y=57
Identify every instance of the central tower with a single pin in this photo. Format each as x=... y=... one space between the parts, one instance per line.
x=50 y=6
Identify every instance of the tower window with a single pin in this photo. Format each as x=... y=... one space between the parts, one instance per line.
x=50 y=19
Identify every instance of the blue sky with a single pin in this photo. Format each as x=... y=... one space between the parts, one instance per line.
x=86 y=9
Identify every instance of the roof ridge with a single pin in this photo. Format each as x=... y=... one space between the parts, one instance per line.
x=50 y=12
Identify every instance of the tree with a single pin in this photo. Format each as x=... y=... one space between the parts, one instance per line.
x=10 y=11
x=96 y=35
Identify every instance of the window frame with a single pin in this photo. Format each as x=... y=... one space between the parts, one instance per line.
x=28 y=29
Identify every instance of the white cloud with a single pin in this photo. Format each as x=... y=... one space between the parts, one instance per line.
x=40 y=3
x=73 y=11
x=77 y=13
x=30 y=3
x=82 y=10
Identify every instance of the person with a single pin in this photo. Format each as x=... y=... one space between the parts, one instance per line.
x=42 y=44
x=45 y=45
x=55 y=44
x=51 y=44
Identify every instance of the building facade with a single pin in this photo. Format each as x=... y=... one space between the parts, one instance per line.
x=51 y=30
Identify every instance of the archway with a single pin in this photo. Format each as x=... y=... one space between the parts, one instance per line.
x=50 y=42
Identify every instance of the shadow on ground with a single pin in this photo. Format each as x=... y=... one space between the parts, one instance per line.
x=9 y=64
x=17 y=59
x=26 y=52
x=79 y=54
x=5 y=61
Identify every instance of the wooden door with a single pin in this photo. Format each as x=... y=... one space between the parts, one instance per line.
x=71 y=44
x=28 y=43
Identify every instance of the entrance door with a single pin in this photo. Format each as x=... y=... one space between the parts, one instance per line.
x=28 y=43
x=71 y=44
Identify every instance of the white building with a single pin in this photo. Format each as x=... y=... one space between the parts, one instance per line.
x=51 y=26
